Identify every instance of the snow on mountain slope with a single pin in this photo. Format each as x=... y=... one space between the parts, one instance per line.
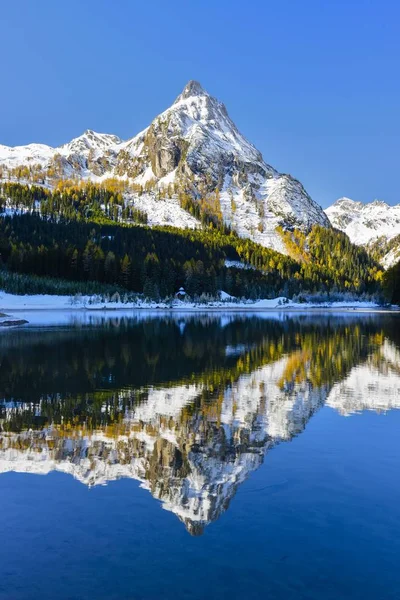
x=81 y=157
x=367 y=224
x=89 y=141
x=191 y=148
x=25 y=155
x=164 y=212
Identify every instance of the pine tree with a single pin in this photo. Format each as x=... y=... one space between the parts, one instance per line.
x=125 y=271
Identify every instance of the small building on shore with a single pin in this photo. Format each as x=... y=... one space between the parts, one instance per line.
x=180 y=294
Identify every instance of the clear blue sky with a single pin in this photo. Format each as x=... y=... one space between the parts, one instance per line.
x=314 y=84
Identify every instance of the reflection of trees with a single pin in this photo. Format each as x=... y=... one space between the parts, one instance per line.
x=95 y=375
x=192 y=440
x=131 y=355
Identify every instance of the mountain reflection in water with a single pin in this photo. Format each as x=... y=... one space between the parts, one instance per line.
x=187 y=406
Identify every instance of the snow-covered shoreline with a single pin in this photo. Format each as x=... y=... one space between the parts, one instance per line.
x=16 y=304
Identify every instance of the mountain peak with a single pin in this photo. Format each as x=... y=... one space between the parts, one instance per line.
x=346 y=201
x=379 y=204
x=88 y=141
x=192 y=88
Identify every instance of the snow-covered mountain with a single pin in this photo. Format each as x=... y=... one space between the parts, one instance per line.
x=192 y=148
x=75 y=156
x=375 y=225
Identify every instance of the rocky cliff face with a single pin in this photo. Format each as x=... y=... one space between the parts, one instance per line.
x=375 y=225
x=192 y=148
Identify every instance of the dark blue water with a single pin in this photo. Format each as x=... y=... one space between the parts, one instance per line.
x=252 y=458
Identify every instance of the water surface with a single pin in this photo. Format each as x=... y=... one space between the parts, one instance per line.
x=208 y=456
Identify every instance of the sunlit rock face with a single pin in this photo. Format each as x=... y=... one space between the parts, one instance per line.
x=191 y=443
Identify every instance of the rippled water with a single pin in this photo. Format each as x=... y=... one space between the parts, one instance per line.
x=237 y=456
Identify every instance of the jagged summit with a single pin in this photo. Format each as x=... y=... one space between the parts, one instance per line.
x=344 y=201
x=379 y=204
x=350 y=203
x=91 y=140
x=192 y=88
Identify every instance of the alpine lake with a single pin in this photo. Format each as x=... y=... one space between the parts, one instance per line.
x=148 y=456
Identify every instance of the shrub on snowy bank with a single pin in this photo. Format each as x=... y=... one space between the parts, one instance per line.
x=329 y=297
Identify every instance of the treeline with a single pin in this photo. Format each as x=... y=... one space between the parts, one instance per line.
x=81 y=202
x=21 y=284
x=158 y=261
